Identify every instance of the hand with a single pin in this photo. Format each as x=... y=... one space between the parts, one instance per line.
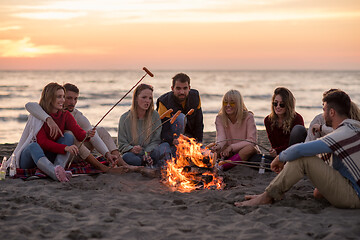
x=148 y=160
x=226 y=152
x=216 y=148
x=111 y=158
x=175 y=141
x=272 y=152
x=54 y=128
x=315 y=128
x=136 y=149
x=73 y=149
x=276 y=165
x=91 y=133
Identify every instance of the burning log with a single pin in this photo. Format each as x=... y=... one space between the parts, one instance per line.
x=193 y=167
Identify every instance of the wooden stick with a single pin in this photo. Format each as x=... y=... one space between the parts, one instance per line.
x=147 y=72
x=247 y=165
x=172 y=120
x=245 y=140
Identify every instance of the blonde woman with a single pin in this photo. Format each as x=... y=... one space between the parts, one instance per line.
x=284 y=126
x=235 y=123
x=138 y=137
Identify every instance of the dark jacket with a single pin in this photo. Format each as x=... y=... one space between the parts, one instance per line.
x=194 y=126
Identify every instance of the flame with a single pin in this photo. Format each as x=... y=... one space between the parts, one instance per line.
x=193 y=167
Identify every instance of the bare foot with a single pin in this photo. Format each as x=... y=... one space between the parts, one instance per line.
x=261 y=199
x=118 y=170
x=248 y=197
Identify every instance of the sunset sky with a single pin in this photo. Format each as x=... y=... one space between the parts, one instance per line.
x=180 y=34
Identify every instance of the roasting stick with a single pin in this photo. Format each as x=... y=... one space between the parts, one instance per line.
x=172 y=120
x=245 y=140
x=147 y=72
x=161 y=117
x=247 y=165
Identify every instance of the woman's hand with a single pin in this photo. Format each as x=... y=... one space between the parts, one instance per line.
x=73 y=149
x=226 y=152
x=147 y=160
x=272 y=152
x=54 y=128
x=91 y=133
x=136 y=149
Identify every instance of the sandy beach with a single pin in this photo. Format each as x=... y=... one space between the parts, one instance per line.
x=131 y=206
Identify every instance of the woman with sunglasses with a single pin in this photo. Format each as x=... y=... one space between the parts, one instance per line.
x=234 y=124
x=138 y=133
x=284 y=126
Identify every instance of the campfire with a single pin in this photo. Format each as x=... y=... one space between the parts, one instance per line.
x=192 y=169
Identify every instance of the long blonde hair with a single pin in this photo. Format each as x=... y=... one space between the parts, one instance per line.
x=289 y=101
x=134 y=116
x=48 y=96
x=240 y=109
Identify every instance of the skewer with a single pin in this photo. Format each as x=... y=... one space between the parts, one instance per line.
x=247 y=165
x=172 y=120
x=147 y=72
x=245 y=140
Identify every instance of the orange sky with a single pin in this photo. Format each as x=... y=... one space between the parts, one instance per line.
x=182 y=34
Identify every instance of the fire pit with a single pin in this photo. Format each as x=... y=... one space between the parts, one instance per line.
x=192 y=168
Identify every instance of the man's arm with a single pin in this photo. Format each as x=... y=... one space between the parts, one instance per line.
x=36 y=110
x=307 y=149
x=96 y=141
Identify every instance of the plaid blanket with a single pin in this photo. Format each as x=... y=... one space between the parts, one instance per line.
x=345 y=142
x=77 y=167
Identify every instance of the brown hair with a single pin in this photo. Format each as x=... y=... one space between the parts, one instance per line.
x=289 y=101
x=48 y=96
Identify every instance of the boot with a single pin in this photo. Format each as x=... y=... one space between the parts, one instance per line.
x=227 y=166
x=62 y=159
x=57 y=173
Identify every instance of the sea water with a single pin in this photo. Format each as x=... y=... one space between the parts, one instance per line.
x=100 y=90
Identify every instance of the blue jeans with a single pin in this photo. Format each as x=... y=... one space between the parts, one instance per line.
x=33 y=152
x=159 y=155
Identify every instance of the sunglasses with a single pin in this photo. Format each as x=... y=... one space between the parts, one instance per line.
x=225 y=103
x=275 y=104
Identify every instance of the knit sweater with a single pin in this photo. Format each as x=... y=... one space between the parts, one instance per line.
x=125 y=140
x=245 y=130
x=65 y=121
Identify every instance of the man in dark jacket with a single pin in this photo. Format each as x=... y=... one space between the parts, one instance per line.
x=184 y=99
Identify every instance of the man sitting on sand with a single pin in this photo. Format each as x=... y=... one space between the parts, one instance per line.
x=182 y=98
x=102 y=141
x=339 y=184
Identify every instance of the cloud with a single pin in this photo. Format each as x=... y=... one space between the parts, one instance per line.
x=58 y=15
x=9 y=28
x=25 y=48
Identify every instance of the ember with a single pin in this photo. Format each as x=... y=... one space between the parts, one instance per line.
x=193 y=168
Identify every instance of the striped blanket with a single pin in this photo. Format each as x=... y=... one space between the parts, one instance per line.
x=345 y=142
x=77 y=167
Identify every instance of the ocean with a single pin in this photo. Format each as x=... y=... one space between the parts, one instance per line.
x=100 y=90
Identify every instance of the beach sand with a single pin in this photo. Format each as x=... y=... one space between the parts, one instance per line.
x=131 y=206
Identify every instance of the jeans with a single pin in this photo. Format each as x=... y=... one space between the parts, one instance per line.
x=33 y=152
x=159 y=155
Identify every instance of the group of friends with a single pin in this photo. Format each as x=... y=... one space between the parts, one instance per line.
x=328 y=152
